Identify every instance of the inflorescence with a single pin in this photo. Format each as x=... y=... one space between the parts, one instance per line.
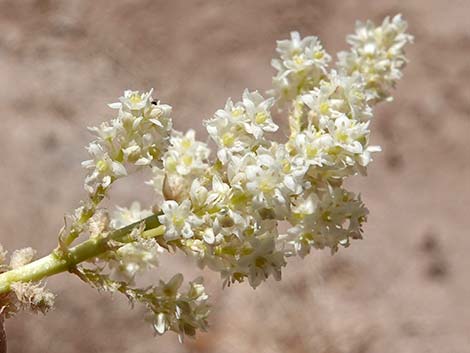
x=224 y=208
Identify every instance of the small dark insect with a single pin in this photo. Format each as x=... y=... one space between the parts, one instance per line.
x=154 y=102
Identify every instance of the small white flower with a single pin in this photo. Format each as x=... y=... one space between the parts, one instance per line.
x=186 y=155
x=124 y=216
x=258 y=113
x=219 y=193
x=133 y=100
x=178 y=220
x=135 y=258
x=198 y=194
x=347 y=134
x=312 y=149
x=103 y=168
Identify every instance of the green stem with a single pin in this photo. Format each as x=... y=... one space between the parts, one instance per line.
x=55 y=263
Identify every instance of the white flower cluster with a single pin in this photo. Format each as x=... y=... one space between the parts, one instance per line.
x=136 y=137
x=241 y=126
x=332 y=130
x=302 y=63
x=181 y=312
x=133 y=258
x=226 y=210
x=184 y=160
x=228 y=216
x=377 y=54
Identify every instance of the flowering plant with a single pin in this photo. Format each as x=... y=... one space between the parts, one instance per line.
x=224 y=209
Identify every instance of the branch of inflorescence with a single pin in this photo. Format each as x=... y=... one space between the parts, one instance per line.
x=58 y=261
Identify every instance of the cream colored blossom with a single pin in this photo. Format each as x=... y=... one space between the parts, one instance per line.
x=178 y=219
x=185 y=159
x=137 y=137
x=241 y=126
x=124 y=216
x=181 y=312
x=377 y=53
x=301 y=65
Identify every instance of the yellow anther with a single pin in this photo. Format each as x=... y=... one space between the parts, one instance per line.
x=298 y=59
x=324 y=108
x=342 y=136
x=286 y=167
x=186 y=143
x=187 y=160
x=261 y=118
x=228 y=139
x=311 y=151
x=135 y=98
x=236 y=112
x=102 y=166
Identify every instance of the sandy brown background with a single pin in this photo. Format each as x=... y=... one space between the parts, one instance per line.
x=404 y=288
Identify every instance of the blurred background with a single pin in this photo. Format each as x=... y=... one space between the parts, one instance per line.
x=404 y=288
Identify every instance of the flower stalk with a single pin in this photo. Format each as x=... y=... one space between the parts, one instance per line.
x=58 y=261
